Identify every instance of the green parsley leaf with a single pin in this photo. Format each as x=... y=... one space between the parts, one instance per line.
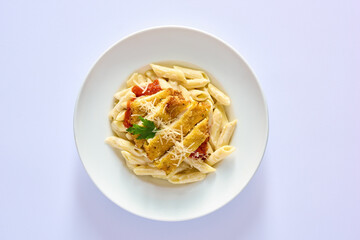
x=146 y=131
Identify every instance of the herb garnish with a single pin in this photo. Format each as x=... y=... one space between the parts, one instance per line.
x=146 y=131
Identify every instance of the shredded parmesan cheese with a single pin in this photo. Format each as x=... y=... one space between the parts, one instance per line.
x=180 y=152
x=161 y=122
x=148 y=107
x=144 y=90
x=169 y=134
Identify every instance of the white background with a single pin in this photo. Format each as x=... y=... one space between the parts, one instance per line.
x=306 y=55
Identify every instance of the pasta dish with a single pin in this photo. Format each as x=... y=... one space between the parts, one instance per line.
x=170 y=123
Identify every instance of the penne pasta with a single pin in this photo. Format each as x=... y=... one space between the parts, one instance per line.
x=123 y=144
x=134 y=160
x=135 y=79
x=199 y=165
x=196 y=83
x=118 y=95
x=222 y=110
x=216 y=126
x=185 y=93
x=122 y=104
x=151 y=74
x=113 y=114
x=220 y=154
x=170 y=73
x=146 y=170
x=141 y=79
x=182 y=167
x=121 y=116
x=190 y=73
x=199 y=95
x=221 y=97
x=210 y=99
x=226 y=134
x=186 y=177
x=164 y=84
x=174 y=85
x=210 y=104
x=160 y=176
x=118 y=127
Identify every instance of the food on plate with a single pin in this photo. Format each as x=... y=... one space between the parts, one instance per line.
x=170 y=123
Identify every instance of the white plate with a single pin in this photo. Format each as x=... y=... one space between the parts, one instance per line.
x=155 y=198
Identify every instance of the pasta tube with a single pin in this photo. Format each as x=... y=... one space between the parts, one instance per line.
x=215 y=128
x=170 y=73
x=191 y=73
x=199 y=165
x=226 y=134
x=221 y=97
x=220 y=154
x=147 y=170
x=123 y=144
x=199 y=95
x=187 y=177
x=196 y=83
